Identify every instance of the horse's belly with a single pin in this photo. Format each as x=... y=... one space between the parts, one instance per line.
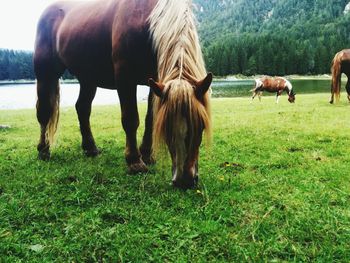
x=107 y=86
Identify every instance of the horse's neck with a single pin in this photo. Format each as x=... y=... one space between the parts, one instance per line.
x=176 y=40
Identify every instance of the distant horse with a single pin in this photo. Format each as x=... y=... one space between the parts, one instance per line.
x=117 y=44
x=277 y=84
x=340 y=64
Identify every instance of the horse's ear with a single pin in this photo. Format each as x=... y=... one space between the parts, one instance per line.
x=203 y=85
x=156 y=87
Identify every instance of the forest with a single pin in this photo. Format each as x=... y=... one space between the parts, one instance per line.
x=15 y=65
x=274 y=37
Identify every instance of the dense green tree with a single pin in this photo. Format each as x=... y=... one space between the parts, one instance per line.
x=15 y=65
x=271 y=36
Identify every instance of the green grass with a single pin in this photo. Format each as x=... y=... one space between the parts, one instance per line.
x=275 y=186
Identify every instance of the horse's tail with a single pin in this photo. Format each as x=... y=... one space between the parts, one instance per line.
x=48 y=68
x=48 y=108
x=336 y=75
x=55 y=106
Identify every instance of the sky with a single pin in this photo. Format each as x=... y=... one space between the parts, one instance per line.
x=18 y=21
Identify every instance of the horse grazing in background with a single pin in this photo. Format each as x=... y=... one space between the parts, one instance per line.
x=277 y=84
x=340 y=64
x=117 y=44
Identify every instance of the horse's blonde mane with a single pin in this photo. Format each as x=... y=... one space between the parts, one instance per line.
x=176 y=42
x=180 y=65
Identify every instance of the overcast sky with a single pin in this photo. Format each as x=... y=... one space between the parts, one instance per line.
x=18 y=20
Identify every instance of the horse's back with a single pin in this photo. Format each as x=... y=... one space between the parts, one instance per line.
x=274 y=84
x=84 y=41
x=46 y=60
x=86 y=37
x=343 y=55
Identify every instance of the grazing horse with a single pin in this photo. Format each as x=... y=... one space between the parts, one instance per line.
x=340 y=64
x=277 y=84
x=118 y=44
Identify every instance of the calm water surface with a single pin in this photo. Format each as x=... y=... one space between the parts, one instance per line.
x=23 y=96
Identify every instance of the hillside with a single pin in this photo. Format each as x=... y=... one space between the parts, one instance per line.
x=272 y=36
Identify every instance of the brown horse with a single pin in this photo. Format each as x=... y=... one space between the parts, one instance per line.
x=118 y=44
x=277 y=84
x=340 y=64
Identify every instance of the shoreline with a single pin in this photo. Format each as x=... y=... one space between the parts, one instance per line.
x=217 y=78
x=31 y=81
x=291 y=77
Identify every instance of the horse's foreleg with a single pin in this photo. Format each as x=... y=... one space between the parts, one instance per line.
x=130 y=122
x=259 y=95
x=331 y=100
x=146 y=146
x=83 y=108
x=254 y=94
x=277 y=97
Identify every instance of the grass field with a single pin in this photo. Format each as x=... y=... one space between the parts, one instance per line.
x=274 y=186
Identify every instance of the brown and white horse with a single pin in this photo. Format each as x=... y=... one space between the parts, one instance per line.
x=277 y=85
x=340 y=64
x=118 y=44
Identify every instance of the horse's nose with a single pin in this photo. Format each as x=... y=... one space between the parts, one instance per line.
x=185 y=183
x=186 y=179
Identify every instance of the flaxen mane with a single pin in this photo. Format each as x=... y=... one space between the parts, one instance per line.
x=180 y=66
x=176 y=42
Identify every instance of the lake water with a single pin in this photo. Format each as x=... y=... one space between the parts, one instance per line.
x=23 y=96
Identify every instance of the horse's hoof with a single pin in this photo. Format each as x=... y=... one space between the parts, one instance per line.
x=139 y=167
x=44 y=155
x=92 y=153
x=148 y=160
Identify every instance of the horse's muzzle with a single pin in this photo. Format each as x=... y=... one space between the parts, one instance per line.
x=187 y=180
x=186 y=183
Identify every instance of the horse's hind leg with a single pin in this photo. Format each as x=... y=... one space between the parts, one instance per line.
x=331 y=101
x=83 y=108
x=348 y=89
